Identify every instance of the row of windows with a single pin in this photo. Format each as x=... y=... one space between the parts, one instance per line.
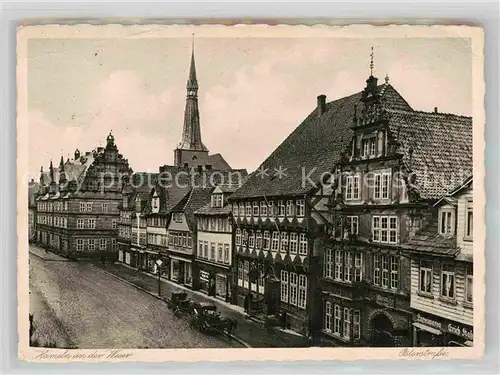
x=160 y=222
x=214 y=224
x=244 y=279
x=91 y=244
x=342 y=322
x=380 y=184
x=180 y=239
x=124 y=232
x=90 y=223
x=216 y=252
x=138 y=238
x=52 y=206
x=281 y=208
x=277 y=241
x=88 y=206
x=343 y=265
x=294 y=289
x=447 y=280
x=157 y=239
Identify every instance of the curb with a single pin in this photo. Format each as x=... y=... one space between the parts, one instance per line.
x=235 y=338
x=47 y=259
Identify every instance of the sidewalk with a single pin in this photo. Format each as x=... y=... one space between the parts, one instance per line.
x=250 y=332
x=46 y=255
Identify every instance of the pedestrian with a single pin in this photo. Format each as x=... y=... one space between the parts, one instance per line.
x=246 y=302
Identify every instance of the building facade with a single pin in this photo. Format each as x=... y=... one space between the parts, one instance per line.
x=32 y=220
x=77 y=204
x=442 y=273
x=213 y=259
x=380 y=201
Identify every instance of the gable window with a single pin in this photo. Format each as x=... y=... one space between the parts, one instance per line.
x=352 y=190
x=251 y=239
x=385 y=229
x=448 y=282
x=284 y=286
x=266 y=240
x=263 y=208
x=358 y=266
x=446 y=226
x=216 y=200
x=238 y=237
x=302 y=244
x=352 y=224
x=258 y=240
x=248 y=209
x=104 y=207
x=275 y=241
x=256 y=209
x=425 y=277
x=301 y=207
x=469 y=290
x=281 y=208
x=369 y=147
x=284 y=242
x=271 y=210
x=469 y=221
x=290 y=208
x=293 y=243
x=328 y=263
x=328 y=316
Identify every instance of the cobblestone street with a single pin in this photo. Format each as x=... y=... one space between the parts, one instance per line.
x=79 y=305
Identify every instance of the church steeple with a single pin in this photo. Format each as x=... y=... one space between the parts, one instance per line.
x=191 y=133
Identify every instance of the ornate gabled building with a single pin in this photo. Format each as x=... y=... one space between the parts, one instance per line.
x=77 y=204
x=397 y=164
x=442 y=292
x=281 y=214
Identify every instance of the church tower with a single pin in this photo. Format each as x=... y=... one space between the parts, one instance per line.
x=191 y=147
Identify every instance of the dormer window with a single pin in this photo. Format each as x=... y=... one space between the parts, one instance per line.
x=155 y=203
x=368 y=147
x=217 y=200
x=447 y=221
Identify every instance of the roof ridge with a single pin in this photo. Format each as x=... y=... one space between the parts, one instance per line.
x=419 y=112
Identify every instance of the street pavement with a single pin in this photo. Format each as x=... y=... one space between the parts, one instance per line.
x=76 y=304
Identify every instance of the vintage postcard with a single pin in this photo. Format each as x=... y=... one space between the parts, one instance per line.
x=313 y=190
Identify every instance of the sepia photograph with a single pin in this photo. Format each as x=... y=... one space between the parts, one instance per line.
x=250 y=188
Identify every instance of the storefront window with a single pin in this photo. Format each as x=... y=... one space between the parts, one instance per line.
x=204 y=281
x=176 y=270
x=221 y=286
x=188 y=274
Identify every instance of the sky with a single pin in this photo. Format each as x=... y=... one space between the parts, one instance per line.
x=253 y=91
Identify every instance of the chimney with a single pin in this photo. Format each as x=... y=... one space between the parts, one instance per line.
x=435 y=109
x=208 y=166
x=321 y=104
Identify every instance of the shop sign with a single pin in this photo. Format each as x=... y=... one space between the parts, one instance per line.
x=453 y=328
x=204 y=275
x=460 y=331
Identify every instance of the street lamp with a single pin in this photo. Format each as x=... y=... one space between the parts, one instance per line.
x=159 y=263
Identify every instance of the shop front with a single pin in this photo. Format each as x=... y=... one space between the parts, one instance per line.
x=181 y=271
x=214 y=281
x=430 y=330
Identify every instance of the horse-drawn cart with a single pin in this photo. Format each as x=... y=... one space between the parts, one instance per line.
x=206 y=319
x=180 y=304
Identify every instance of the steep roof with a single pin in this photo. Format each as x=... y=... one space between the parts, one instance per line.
x=313 y=148
x=429 y=241
x=186 y=177
x=197 y=198
x=441 y=146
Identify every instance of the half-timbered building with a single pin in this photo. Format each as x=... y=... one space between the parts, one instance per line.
x=397 y=164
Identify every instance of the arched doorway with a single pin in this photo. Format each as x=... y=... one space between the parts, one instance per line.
x=382 y=331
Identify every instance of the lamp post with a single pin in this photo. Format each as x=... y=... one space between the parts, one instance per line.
x=159 y=263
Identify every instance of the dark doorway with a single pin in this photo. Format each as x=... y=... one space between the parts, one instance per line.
x=382 y=331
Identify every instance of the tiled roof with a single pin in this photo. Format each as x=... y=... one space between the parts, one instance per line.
x=182 y=177
x=313 y=148
x=197 y=197
x=441 y=145
x=209 y=210
x=429 y=241
x=216 y=161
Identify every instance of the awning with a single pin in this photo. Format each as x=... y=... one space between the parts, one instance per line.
x=423 y=327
